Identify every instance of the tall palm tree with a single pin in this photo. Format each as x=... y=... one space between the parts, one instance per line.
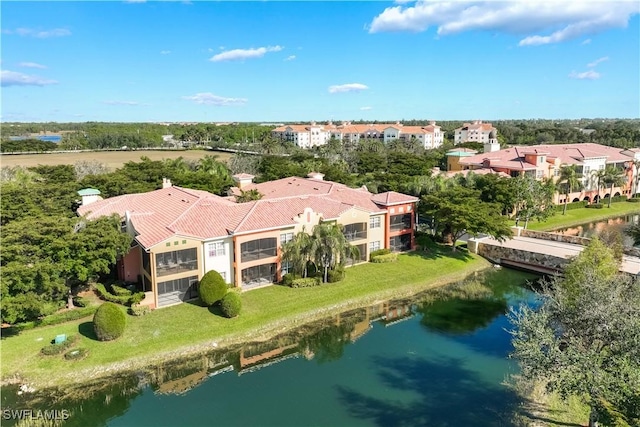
x=599 y=175
x=299 y=252
x=330 y=247
x=248 y=196
x=635 y=164
x=570 y=177
x=615 y=177
x=211 y=165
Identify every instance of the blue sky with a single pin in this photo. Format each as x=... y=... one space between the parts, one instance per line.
x=274 y=61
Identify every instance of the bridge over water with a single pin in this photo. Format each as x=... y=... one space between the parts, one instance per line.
x=542 y=252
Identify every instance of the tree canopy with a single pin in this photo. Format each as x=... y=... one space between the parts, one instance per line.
x=584 y=338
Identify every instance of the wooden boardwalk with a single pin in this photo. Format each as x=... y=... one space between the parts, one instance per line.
x=630 y=264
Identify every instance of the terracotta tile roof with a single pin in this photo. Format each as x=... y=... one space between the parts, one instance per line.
x=393 y=198
x=161 y=214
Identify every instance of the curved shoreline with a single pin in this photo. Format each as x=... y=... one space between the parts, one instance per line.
x=262 y=333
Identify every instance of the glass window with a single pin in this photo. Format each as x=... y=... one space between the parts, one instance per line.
x=217 y=249
x=286 y=267
x=374 y=222
x=286 y=237
x=176 y=262
x=258 y=249
x=374 y=246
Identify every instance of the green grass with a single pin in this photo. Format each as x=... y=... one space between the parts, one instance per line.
x=185 y=328
x=581 y=216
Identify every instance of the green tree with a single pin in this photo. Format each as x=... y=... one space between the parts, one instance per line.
x=570 y=180
x=583 y=339
x=330 y=247
x=212 y=287
x=600 y=176
x=459 y=210
x=299 y=252
x=248 y=196
x=634 y=231
x=614 y=177
x=532 y=199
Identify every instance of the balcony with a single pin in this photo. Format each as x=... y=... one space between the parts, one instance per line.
x=258 y=249
x=400 y=222
x=355 y=231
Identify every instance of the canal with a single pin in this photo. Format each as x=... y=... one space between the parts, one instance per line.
x=591 y=229
x=438 y=359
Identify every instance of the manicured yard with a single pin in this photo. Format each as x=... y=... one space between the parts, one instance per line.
x=188 y=327
x=581 y=216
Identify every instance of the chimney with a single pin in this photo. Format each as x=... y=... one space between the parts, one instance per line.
x=242 y=180
x=432 y=122
x=316 y=175
x=89 y=195
x=166 y=183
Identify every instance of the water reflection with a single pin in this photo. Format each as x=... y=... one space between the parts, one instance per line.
x=458 y=310
x=593 y=229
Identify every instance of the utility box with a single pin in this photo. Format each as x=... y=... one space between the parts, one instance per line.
x=60 y=339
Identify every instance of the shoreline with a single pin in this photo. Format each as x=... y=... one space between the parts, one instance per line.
x=257 y=334
x=622 y=209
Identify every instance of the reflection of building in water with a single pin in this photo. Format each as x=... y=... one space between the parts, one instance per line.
x=250 y=363
x=397 y=314
x=180 y=376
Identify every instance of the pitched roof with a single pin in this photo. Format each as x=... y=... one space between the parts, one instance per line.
x=161 y=214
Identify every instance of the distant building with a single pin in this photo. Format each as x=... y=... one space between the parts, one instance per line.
x=475 y=132
x=313 y=135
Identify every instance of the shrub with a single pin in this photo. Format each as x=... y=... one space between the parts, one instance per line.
x=53 y=349
x=231 y=304
x=307 y=282
x=139 y=310
x=212 y=287
x=634 y=200
x=336 y=275
x=80 y=301
x=598 y=206
x=288 y=278
x=379 y=259
x=120 y=291
x=109 y=322
x=77 y=354
x=379 y=252
x=66 y=316
x=118 y=299
x=573 y=205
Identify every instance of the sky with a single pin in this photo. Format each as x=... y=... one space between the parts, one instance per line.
x=277 y=61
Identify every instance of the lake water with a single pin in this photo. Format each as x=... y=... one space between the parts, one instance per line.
x=436 y=360
x=50 y=138
x=592 y=229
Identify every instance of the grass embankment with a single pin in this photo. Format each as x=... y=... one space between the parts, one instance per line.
x=584 y=215
x=189 y=328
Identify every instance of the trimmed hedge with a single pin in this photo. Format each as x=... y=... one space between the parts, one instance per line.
x=594 y=206
x=130 y=299
x=307 y=282
x=212 y=288
x=109 y=322
x=572 y=205
x=231 y=304
x=77 y=354
x=80 y=301
x=139 y=310
x=634 y=200
x=288 y=278
x=120 y=291
x=379 y=259
x=379 y=252
x=54 y=349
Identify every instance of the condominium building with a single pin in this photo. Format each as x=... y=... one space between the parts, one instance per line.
x=546 y=161
x=180 y=234
x=307 y=136
x=475 y=132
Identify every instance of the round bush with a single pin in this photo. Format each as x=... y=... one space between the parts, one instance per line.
x=231 y=304
x=109 y=322
x=212 y=287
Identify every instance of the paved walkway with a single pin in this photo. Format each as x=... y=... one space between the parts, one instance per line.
x=558 y=249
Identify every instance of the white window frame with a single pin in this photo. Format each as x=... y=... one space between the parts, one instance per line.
x=286 y=267
x=285 y=238
x=375 y=222
x=216 y=249
x=374 y=246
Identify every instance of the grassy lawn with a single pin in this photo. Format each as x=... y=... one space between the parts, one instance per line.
x=188 y=327
x=581 y=216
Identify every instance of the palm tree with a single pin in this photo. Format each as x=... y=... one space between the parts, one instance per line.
x=599 y=175
x=248 y=196
x=615 y=177
x=330 y=247
x=298 y=251
x=571 y=179
x=635 y=165
x=211 y=165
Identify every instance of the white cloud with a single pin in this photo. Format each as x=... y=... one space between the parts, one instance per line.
x=586 y=41
x=597 y=61
x=127 y=103
x=207 y=98
x=349 y=87
x=366 y=108
x=240 y=54
x=14 y=78
x=32 y=65
x=165 y=52
x=586 y=75
x=290 y=58
x=558 y=21
x=40 y=34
